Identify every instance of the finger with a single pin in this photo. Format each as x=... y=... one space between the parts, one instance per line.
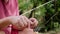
x=28 y=21
x=32 y=21
x=29 y=25
x=35 y=22
x=24 y=21
x=20 y=22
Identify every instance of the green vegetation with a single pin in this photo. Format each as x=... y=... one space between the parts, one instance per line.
x=47 y=15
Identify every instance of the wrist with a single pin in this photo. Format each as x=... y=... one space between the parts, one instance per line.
x=4 y=22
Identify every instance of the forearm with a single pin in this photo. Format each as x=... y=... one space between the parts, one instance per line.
x=4 y=23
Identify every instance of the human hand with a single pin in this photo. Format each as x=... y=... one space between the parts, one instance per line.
x=34 y=22
x=19 y=22
x=27 y=31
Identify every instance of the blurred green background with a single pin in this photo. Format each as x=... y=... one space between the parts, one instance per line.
x=47 y=15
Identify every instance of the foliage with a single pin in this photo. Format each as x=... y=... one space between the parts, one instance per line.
x=44 y=13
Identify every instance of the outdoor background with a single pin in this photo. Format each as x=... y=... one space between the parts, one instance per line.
x=48 y=14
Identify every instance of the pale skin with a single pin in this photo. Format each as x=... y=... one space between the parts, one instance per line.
x=17 y=21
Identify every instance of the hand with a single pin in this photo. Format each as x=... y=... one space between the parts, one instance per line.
x=19 y=22
x=34 y=22
x=27 y=31
x=14 y=21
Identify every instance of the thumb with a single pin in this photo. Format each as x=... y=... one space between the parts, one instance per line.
x=29 y=25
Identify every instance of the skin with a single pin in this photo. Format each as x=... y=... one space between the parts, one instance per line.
x=34 y=22
x=19 y=22
x=27 y=31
